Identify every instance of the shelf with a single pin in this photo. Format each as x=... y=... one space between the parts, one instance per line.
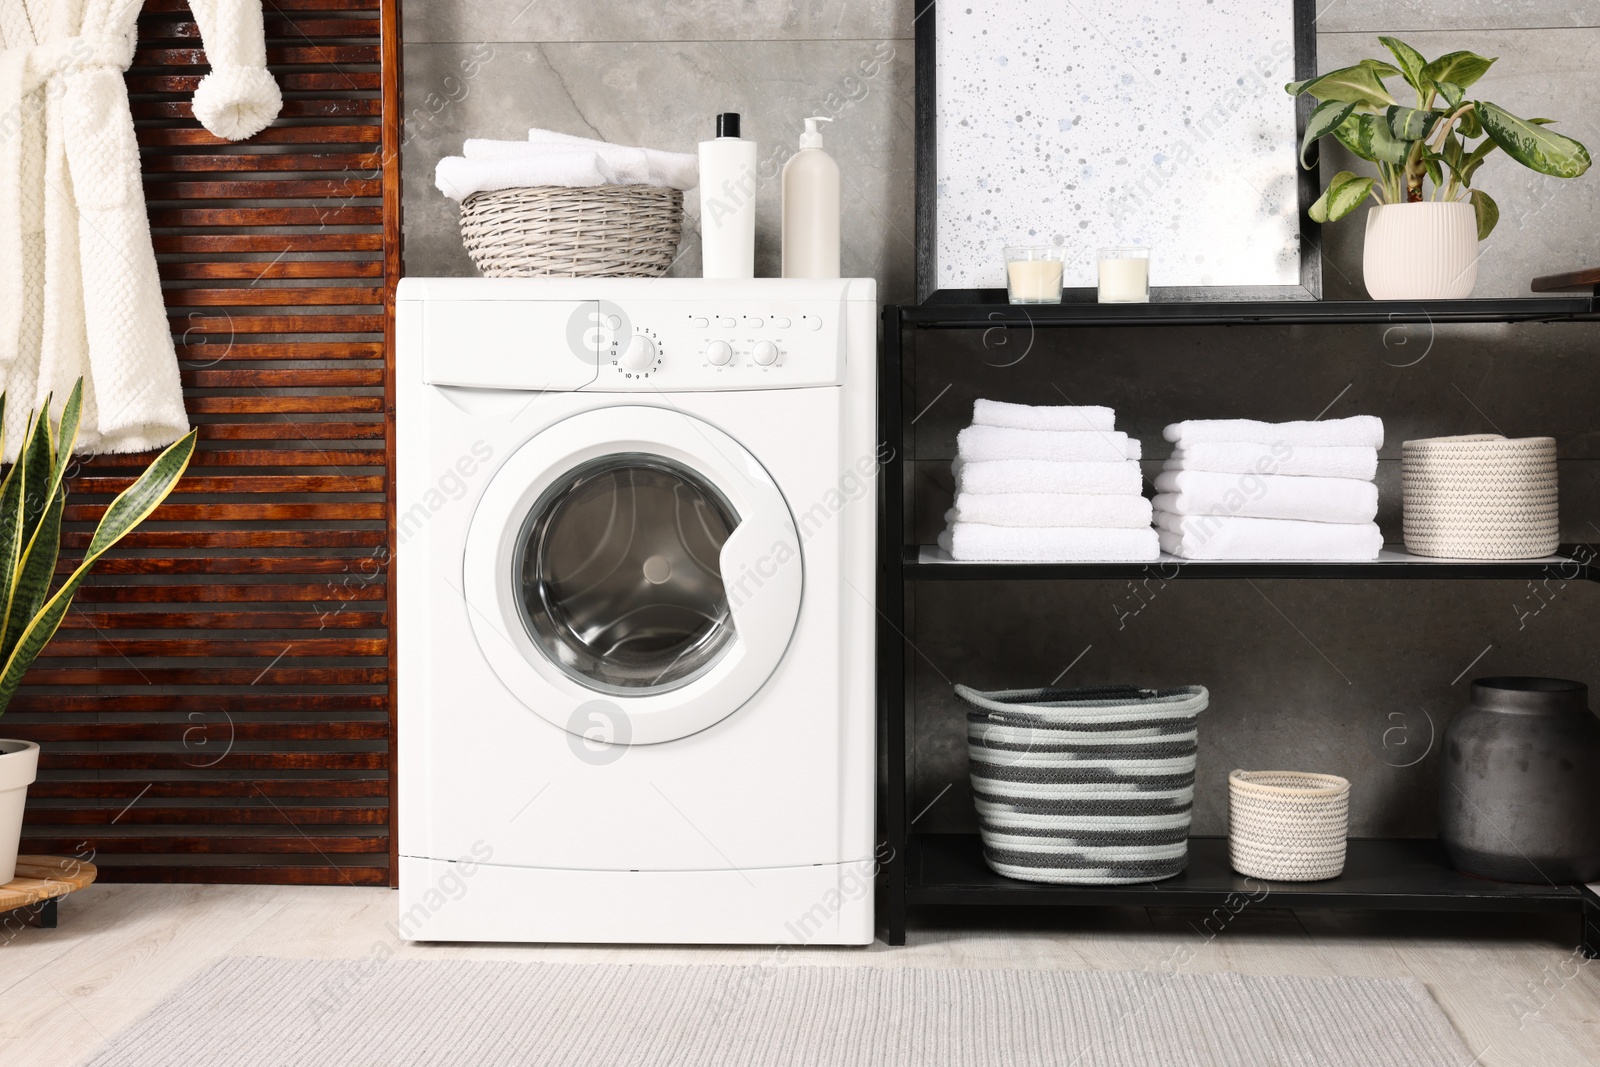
x=1573 y=563
x=1407 y=874
x=991 y=310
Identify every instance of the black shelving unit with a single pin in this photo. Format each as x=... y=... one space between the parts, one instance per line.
x=948 y=869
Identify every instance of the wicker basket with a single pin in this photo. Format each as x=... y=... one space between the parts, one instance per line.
x=1287 y=826
x=1481 y=496
x=606 y=231
x=1084 y=786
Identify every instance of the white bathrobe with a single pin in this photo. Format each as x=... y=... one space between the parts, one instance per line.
x=79 y=292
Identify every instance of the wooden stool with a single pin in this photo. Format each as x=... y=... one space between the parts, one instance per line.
x=40 y=882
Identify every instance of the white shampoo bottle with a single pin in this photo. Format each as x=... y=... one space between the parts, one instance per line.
x=811 y=209
x=728 y=183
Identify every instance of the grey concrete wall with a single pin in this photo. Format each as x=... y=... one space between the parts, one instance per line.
x=1353 y=678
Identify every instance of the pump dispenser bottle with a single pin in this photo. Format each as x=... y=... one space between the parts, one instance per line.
x=811 y=209
x=728 y=202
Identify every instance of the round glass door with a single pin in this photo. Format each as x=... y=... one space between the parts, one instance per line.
x=618 y=576
x=636 y=554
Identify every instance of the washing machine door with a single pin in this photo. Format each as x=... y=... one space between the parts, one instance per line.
x=633 y=567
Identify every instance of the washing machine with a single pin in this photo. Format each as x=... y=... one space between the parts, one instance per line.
x=634 y=566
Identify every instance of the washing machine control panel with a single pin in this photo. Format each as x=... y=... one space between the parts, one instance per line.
x=662 y=345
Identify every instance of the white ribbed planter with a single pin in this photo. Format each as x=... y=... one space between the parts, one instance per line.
x=1422 y=251
x=19 y=764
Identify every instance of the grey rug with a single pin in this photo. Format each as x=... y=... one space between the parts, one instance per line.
x=353 y=1013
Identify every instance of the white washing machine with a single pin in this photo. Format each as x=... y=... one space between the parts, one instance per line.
x=634 y=556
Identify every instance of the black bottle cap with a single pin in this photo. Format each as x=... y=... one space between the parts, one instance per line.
x=728 y=124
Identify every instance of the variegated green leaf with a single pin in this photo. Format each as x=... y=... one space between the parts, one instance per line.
x=1430 y=163
x=34 y=572
x=131 y=507
x=1411 y=124
x=1343 y=195
x=38 y=464
x=1530 y=144
x=1457 y=68
x=1325 y=118
x=1410 y=62
x=1487 y=212
x=1369 y=137
x=1361 y=84
x=1475 y=158
x=1452 y=93
x=67 y=438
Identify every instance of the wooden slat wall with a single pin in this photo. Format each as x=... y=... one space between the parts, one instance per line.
x=217 y=706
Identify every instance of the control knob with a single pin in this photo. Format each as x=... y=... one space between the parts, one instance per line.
x=719 y=353
x=765 y=353
x=640 y=355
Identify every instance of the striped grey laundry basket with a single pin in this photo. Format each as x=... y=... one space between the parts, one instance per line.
x=1084 y=786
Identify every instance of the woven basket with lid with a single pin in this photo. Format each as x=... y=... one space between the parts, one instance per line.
x=1481 y=496
x=605 y=231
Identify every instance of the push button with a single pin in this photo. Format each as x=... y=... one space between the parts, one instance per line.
x=700 y=323
x=812 y=322
x=780 y=322
x=727 y=323
x=754 y=323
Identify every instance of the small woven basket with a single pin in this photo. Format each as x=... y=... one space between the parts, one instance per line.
x=605 y=231
x=1481 y=496
x=1287 y=826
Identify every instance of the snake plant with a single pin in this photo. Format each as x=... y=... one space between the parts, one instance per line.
x=33 y=495
x=1432 y=141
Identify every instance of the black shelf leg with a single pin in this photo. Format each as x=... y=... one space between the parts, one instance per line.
x=1589 y=935
x=47 y=914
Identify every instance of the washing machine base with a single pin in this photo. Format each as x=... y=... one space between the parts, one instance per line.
x=823 y=904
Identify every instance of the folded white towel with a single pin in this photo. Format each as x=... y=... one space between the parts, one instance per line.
x=1051 y=509
x=1267 y=496
x=1041 y=476
x=1307 y=461
x=629 y=165
x=975 y=541
x=1003 y=442
x=1212 y=537
x=675 y=170
x=1031 y=417
x=458 y=177
x=559 y=159
x=1365 y=431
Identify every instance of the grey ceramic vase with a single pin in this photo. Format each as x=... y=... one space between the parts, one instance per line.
x=1519 y=792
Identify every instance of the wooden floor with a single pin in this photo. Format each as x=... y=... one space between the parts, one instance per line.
x=1512 y=986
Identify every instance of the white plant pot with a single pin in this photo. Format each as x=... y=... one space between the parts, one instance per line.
x=1421 y=251
x=19 y=765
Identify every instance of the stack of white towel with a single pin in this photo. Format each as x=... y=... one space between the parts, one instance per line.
x=560 y=159
x=1240 y=489
x=1047 y=484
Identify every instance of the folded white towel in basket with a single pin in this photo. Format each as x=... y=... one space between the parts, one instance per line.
x=458 y=177
x=1213 y=537
x=976 y=541
x=1364 y=431
x=1002 y=442
x=1267 y=496
x=1051 y=509
x=632 y=166
x=548 y=158
x=1032 y=417
x=1304 y=461
x=1042 y=476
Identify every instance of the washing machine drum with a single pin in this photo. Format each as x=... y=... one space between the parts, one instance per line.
x=633 y=567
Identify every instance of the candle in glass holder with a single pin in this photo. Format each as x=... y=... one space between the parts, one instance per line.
x=1124 y=275
x=1033 y=273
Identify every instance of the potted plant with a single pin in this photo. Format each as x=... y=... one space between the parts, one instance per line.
x=1422 y=245
x=33 y=494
